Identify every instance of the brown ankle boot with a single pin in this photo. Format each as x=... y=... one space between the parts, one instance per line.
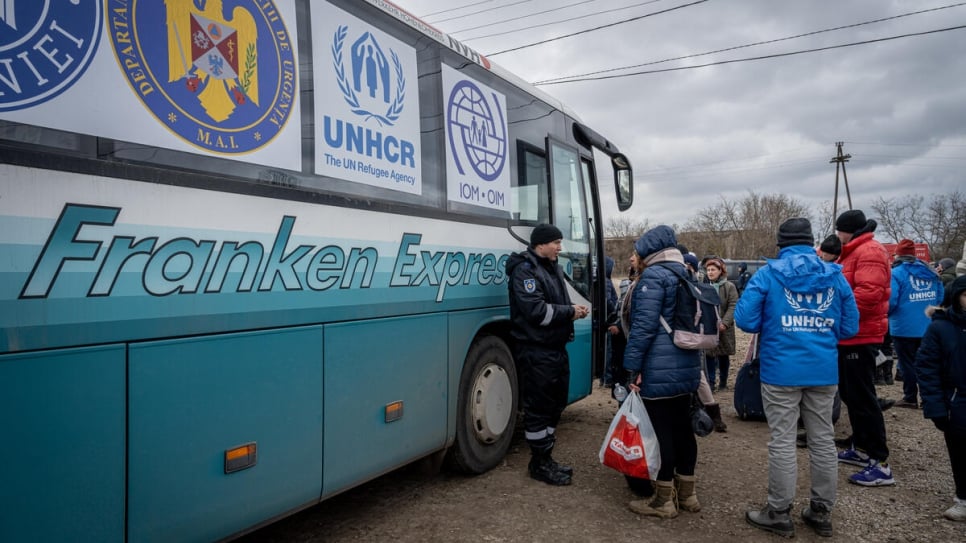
x=687 y=497
x=662 y=505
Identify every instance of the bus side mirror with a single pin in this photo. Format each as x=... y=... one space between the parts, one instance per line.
x=623 y=181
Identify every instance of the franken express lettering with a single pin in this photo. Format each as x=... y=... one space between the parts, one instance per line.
x=189 y=266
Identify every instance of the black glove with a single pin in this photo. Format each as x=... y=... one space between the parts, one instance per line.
x=942 y=423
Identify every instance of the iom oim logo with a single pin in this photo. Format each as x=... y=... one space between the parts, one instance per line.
x=45 y=47
x=477 y=131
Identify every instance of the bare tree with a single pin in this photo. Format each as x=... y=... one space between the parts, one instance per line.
x=940 y=222
x=741 y=229
x=623 y=226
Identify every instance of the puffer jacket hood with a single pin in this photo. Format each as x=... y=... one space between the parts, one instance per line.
x=654 y=240
x=797 y=269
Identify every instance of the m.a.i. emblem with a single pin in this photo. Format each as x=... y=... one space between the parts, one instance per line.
x=222 y=80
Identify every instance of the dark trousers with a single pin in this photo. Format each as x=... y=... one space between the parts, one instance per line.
x=614 y=372
x=857 y=388
x=713 y=364
x=956 y=445
x=671 y=418
x=906 y=348
x=546 y=375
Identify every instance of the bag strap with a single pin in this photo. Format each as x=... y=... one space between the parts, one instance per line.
x=681 y=279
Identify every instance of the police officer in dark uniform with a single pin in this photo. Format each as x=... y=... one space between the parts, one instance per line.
x=542 y=317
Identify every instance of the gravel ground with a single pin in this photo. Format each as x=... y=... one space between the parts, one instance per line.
x=410 y=505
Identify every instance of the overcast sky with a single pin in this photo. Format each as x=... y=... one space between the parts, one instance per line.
x=697 y=135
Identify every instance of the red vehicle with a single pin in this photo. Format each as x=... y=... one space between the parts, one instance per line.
x=922 y=250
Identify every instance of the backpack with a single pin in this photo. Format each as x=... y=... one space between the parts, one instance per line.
x=694 y=324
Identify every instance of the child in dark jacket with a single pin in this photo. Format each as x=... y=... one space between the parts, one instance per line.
x=941 y=370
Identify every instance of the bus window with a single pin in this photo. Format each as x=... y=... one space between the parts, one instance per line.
x=569 y=213
x=530 y=194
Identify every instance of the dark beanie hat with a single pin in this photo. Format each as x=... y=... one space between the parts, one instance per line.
x=795 y=231
x=544 y=233
x=692 y=260
x=851 y=221
x=906 y=248
x=832 y=245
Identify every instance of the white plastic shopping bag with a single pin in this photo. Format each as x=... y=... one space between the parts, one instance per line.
x=630 y=446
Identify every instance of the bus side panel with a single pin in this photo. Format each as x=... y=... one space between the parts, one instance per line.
x=367 y=366
x=193 y=399
x=62 y=445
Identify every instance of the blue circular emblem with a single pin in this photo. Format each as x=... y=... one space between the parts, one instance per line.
x=479 y=132
x=45 y=46
x=220 y=74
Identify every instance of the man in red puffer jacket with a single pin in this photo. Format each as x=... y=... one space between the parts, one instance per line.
x=865 y=264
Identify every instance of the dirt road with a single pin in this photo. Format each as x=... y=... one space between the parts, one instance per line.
x=504 y=505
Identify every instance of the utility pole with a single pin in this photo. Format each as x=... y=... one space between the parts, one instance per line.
x=840 y=161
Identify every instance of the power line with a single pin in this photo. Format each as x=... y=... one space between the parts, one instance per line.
x=471 y=4
x=596 y=28
x=904 y=144
x=556 y=8
x=531 y=27
x=481 y=11
x=567 y=77
x=763 y=57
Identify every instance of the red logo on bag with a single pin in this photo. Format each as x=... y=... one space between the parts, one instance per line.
x=632 y=452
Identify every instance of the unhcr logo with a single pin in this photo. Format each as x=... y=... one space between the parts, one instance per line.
x=368 y=89
x=803 y=304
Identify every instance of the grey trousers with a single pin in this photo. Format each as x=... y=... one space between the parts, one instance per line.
x=782 y=407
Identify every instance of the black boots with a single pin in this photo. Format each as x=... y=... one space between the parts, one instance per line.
x=818 y=517
x=714 y=411
x=772 y=520
x=543 y=468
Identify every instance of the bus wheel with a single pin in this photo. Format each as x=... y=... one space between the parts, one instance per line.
x=486 y=408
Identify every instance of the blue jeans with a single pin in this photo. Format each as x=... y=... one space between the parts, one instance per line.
x=783 y=405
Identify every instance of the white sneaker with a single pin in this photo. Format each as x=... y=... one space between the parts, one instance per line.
x=957 y=512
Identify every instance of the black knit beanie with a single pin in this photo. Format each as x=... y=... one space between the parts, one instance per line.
x=544 y=233
x=795 y=231
x=832 y=245
x=851 y=221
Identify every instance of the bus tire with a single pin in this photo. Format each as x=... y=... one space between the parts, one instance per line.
x=486 y=407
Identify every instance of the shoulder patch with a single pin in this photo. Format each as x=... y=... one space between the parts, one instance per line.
x=530 y=285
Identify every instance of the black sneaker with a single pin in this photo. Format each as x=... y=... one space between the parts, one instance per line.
x=885 y=405
x=818 y=518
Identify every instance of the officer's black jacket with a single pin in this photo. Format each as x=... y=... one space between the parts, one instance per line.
x=540 y=308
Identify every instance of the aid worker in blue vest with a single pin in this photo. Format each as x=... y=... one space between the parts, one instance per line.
x=542 y=318
x=915 y=287
x=801 y=307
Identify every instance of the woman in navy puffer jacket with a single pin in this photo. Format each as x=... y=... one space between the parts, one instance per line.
x=941 y=369
x=664 y=375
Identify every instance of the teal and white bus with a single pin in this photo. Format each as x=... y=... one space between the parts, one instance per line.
x=252 y=255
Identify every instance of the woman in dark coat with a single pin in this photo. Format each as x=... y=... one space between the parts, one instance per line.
x=664 y=375
x=720 y=356
x=941 y=371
